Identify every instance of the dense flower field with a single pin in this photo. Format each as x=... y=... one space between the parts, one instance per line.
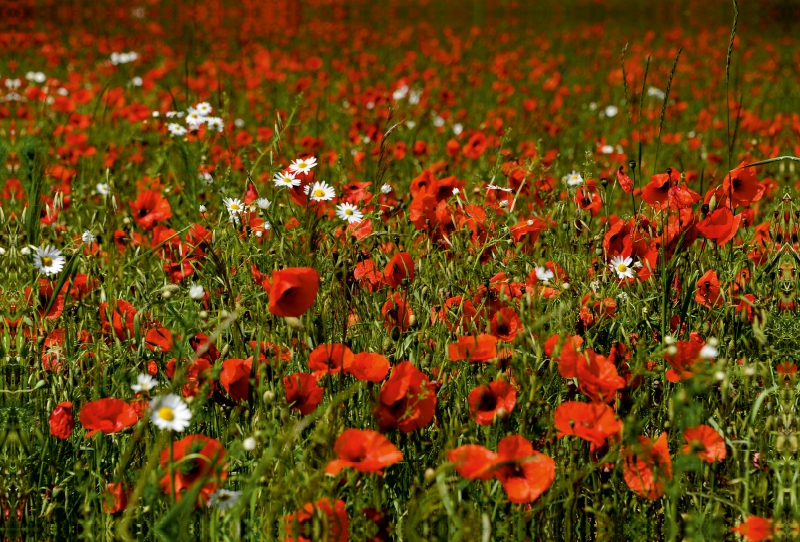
x=330 y=270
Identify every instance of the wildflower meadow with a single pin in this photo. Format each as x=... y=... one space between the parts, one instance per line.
x=329 y=270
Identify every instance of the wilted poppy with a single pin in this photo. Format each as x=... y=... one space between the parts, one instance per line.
x=293 y=291
x=108 y=415
x=365 y=451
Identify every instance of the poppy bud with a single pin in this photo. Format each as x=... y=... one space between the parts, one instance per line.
x=632 y=164
x=62 y=421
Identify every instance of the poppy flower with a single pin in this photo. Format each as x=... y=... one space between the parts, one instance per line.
x=235 y=377
x=598 y=378
x=195 y=459
x=303 y=392
x=198 y=376
x=397 y=312
x=720 y=226
x=473 y=461
x=406 y=401
x=480 y=348
x=526 y=233
x=486 y=402
x=333 y=517
x=368 y=367
x=329 y=359
x=149 y=208
x=594 y=422
x=656 y=193
x=506 y=324
x=624 y=181
x=704 y=442
x=755 y=529
x=62 y=421
x=108 y=415
x=524 y=473
x=122 y=319
x=742 y=186
x=367 y=275
x=707 y=291
x=570 y=355
x=400 y=267
x=116 y=497
x=682 y=357
x=365 y=451
x=293 y=291
x=647 y=466
x=159 y=337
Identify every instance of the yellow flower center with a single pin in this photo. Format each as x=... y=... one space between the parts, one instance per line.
x=319 y=193
x=348 y=211
x=47 y=261
x=166 y=413
x=234 y=207
x=622 y=267
x=302 y=165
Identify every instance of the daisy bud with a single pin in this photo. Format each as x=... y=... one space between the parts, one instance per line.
x=269 y=396
x=249 y=444
x=430 y=475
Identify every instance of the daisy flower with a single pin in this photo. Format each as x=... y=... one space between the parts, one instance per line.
x=176 y=129
x=215 y=123
x=386 y=188
x=203 y=109
x=287 y=179
x=88 y=237
x=263 y=203
x=196 y=292
x=193 y=120
x=622 y=266
x=303 y=165
x=103 y=189
x=349 y=212
x=234 y=206
x=574 y=179
x=544 y=274
x=224 y=499
x=144 y=382
x=321 y=191
x=48 y=260
x=170 y=412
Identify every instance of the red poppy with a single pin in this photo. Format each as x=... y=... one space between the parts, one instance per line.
x=594 y=422
x=365 y=451
x=333 y=518
x=400 y=267
x=108 y=415
x=707 y=291
x=122 y=319
x=524 y=472
x=656 y=193
x=526 y=233
x=368 y=366
x=506 y=324
x=116 y=497
x=62 y=421
x=159 y=337
x=149 y=208
x=598 y=378
x=487 y=402
x=742 y=186
x=329 y=359
x=624 y=181
x=397 y=312
x=647 y=466
x=473 y=461
x=235 y=377
x=683 y=358
x=195 y=459
x=406 y=401
x=199 y=376
x=720 y=226
x=293 y=291
x=704 y=442
x=480 y=348
x=367 y=275
x=303 y=392
x=755 y=529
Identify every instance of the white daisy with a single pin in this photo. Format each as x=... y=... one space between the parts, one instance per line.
x=287 y=179
x=495 y=187
x=194 y=120
x=349 y=212
x=88 y=237
x=234 y=206
x=178 y=114
x=224 y=499
x=48 y=260
x=386 y=188
x=574 y=179
x=263 y=203
x=544 y=274
x=144 y=382
x=196 y=292
x=215 y=123
x=303 y=165
x=709 y=352
x=170 y=412
x=103 y=189
x=622 y=266
x=321 y=191
x=206 y=177
x=611 y=110
x=203 y=109
x=176 y=129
